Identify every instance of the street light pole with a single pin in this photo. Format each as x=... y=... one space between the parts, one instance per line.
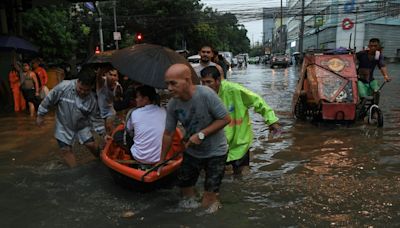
x=100 y=28
x=281 y=33
x=355 y=31
x=301 y=35
x=115 y=23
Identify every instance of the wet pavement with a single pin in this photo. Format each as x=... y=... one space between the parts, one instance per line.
x=312 y=175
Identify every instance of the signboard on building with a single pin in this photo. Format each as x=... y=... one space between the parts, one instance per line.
x=319 y=21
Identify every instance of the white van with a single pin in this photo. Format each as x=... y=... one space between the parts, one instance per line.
x=227 y=55
x=194 y=60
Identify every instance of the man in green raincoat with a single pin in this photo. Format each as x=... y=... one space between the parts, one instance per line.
x=238 y=100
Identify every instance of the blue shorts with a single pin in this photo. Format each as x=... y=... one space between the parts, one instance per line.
x=190 y=170
x=62 y=144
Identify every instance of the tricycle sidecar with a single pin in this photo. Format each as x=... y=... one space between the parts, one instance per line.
x=327 y=87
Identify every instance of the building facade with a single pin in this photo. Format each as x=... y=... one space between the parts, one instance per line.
x=345 y=23
x=275 y=29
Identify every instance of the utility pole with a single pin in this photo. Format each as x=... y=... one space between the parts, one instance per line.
x=355 y=30
x=100 y=28
x=115 y=23
x=301 y=35
x=280 y=29
x=272 y=40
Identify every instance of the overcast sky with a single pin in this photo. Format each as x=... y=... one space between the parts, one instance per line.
x=253 y=26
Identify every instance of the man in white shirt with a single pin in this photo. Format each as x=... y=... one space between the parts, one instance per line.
x=206 y=55
x=148 y=124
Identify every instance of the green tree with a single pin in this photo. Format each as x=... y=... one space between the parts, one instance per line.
x=161 y=22
x=223 y=33
x=256 y=51
x=55 y=31
x=62 y=32
x=173 y=22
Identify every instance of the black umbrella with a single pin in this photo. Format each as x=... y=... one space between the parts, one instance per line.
x=16 y=43
x=100 y=58
x=147 y=63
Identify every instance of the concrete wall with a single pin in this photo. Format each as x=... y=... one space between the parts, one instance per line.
x=389 y=36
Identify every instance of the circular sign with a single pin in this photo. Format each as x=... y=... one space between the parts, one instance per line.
x=336 y=64
x=347 y=24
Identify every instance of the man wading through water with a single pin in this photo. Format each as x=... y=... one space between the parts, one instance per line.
x=238 y=101
x=203 y=115
x=76 y=106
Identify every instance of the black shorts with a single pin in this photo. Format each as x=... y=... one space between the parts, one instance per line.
x=29 y=94
x=190 y=170
x=244 y=161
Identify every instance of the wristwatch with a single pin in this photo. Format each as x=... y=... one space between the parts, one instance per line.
x=201 y=135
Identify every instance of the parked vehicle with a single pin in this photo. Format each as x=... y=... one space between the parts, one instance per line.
x=242 y=60
x=228 y=56
x=265 y=59
x=254 y=60
x=282 y=60
x=234 y=62
x=194 y=60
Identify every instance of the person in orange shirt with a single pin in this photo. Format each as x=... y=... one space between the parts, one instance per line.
x=19 y=101
x=42 y=75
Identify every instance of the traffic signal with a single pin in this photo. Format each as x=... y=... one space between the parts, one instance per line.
x=97 y=51
x=139 y=37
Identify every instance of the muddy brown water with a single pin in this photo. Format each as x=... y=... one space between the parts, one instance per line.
x=312 y=175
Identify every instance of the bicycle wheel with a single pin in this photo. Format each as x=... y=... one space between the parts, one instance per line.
x=376 y=117
x=300 y=109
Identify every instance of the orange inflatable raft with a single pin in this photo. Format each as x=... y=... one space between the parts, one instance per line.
x=123 y=169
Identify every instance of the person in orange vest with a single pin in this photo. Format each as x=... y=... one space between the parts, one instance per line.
x=42 y=76
x=19 y=101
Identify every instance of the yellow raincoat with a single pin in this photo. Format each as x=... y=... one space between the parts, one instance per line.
x=238 y=100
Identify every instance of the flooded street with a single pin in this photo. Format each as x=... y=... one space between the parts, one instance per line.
x=312 y=175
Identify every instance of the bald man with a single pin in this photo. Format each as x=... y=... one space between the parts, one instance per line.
x=204 y=116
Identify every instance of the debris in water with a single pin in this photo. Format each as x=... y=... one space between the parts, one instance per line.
x=128 y=214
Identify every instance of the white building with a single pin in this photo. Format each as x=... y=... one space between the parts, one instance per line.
x=345 y=23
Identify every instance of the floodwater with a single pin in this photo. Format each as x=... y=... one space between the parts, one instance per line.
x=312 y=175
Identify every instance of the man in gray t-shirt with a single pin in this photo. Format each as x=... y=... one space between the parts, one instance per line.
x=204 y=116
x=203 y=108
